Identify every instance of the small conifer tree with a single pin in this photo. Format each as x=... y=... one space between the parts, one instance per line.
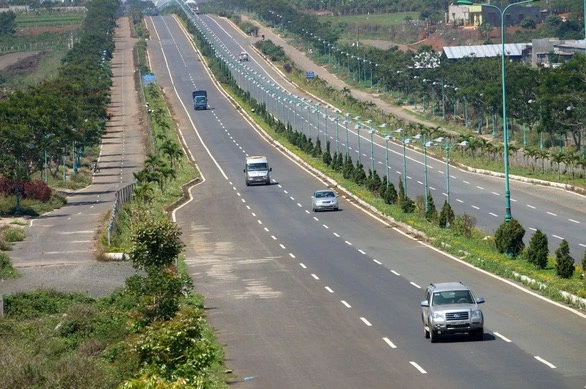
x=431 y=212
x=446 y=217
x=537 y=251
x=509 y=238
x=564 y=266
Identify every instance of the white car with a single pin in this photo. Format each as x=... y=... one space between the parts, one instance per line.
x=323 y=200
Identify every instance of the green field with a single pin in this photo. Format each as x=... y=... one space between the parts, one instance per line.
x=384 y=20
x=46 y=18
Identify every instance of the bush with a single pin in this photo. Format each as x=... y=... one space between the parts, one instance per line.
x=34 y=190
x=431 y=214
x=538 y=250
x=390 y=194
x=178 y=348
x=446 y=217
x=407 y=205
x=12 y=234
x=464 y=225
x=509 y=238
x=564 y=266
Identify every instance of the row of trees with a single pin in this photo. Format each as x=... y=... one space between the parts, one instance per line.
x=62 y=116
x=548 y=104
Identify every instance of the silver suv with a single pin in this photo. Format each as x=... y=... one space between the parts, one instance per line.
x=450 y=307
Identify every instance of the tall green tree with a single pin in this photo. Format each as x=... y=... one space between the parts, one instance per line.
x=7 y=23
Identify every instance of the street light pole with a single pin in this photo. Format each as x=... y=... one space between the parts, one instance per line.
x=372 y=131
x=425 y=145
x=357 y=128
x=402 y=132
x=448 y=146
x=504 y=93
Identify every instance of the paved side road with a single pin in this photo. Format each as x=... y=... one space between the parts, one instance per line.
x=58 y=251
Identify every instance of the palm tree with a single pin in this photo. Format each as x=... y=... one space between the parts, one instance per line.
x=558 y=158
x=172 y=150
x=144 y=192
x=531 y=153
x=543 y=155
x=571 y=160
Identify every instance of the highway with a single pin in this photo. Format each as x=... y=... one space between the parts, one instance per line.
x=556 y=212
x=306 y=300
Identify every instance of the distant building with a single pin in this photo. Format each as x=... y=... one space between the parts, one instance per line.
x=540 y=52
x=513 y=51
x=16 y=8
x=475 y=15
x=547 y=52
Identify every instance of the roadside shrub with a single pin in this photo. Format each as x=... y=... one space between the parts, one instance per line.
x=431 y=213
x=584 y=262
x=537 y=251
x=390 y=194
x=41 y=302
x=407 y=205
x=177 y=349
x=509 y=238
x=446 y=217
x=464 y=225
x=12 y=234
x=158 y=294
x=155 y=244
x=35 y=190
x=564 y=266
x=6 y=269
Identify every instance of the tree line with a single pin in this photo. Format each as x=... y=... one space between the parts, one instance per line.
x=47 y=127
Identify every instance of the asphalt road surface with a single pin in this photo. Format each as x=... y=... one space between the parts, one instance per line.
x=558 y=213
x=325 y=300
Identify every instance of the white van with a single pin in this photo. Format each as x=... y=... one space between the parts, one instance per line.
x=257 y=170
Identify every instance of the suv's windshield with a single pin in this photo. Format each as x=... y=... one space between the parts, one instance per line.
x=257 y=166
x=452 y=297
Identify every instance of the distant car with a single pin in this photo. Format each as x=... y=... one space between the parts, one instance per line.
x=243 y=56
x=325 y=199
x=449 y=308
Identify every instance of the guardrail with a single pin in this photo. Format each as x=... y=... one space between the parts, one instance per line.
x=122 y=196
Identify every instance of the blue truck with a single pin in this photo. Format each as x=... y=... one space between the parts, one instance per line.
x=200 y=99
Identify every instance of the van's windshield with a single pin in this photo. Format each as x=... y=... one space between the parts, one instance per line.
x=257 y=166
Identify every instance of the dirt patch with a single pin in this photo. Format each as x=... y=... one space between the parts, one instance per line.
x=10 y=59
x=22 y=64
